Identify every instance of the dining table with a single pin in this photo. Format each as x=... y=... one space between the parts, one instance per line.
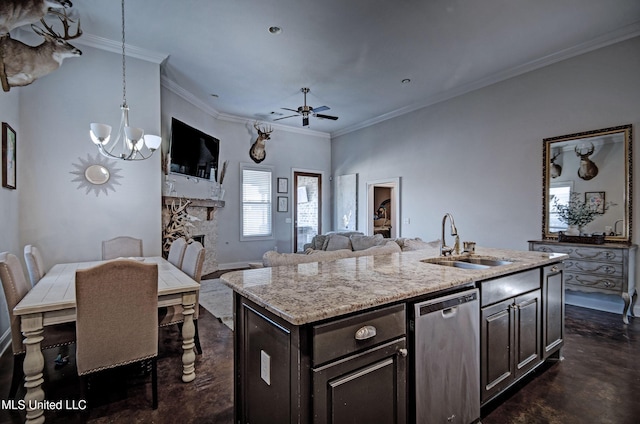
x=53 y=301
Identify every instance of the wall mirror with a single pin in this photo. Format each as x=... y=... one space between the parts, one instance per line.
x=596 y=167
x=96 y=174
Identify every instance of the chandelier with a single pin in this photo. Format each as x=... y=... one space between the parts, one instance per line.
x=131 y=143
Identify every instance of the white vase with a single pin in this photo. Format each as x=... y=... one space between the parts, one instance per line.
x=572 y=230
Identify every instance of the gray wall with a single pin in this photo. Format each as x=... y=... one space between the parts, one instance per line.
x=288 y=149
x=479 y=156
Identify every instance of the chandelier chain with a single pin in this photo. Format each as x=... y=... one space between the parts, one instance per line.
x=124 y=68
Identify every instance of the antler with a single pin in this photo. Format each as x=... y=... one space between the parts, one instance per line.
x=589 y=153
x=65 y=19
x=264 y=130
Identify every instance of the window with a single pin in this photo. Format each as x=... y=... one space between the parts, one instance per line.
x=256 y=219
x=561 y=192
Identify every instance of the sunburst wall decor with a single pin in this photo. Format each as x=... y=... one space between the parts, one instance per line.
x=97 y=174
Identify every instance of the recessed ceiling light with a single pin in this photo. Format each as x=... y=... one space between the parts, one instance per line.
x=406 y=81
x=275 y=30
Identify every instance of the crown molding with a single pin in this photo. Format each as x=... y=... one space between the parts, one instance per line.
x=178 y=90
x=619 y=35
x=116 y=47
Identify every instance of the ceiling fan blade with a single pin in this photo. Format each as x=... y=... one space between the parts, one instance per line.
x=285 y=117
x=321 y=108
x=318 y=115
x=292 y=110
x=305 y=121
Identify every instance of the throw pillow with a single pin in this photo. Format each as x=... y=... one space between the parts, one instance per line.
x=319 y=241
x=337 y=242
x=361 y=242
x=418 y=244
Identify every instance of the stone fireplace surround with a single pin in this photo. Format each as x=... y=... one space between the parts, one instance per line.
x=205 y=223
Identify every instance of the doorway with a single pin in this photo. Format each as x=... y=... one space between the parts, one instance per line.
x=307 y=208
x=383 y=207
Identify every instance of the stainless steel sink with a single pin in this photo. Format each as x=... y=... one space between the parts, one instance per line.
x=468 y=262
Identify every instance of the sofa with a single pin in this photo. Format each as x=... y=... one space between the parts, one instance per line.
x=333 y=246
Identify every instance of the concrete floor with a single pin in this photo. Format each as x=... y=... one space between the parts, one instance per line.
x=596 y=383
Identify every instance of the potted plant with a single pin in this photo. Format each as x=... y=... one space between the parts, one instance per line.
x=576 y=213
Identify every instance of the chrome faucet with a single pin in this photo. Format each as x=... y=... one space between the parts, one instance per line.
x=444 y=249
x=615 y=227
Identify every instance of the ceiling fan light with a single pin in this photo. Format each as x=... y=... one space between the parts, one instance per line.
x=100 y=133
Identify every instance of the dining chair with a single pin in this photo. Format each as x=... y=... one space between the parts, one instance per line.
x=192 y=266
x=16 y=287
x=117 y=321
x=176 y=252
x=35 y=263
x=121 y=247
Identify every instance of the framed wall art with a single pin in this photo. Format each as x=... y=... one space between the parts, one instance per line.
x=595 y=199
x=283 y=185
x=283 y=204
x=9 y=163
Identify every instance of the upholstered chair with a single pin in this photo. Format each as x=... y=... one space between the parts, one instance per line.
x=16 y=287
x=176 y=252
x=117 y=320
x=121 y=247
x=192 y=266
x=35 y=263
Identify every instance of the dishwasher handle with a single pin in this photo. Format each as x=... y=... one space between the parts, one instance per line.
x=448 y=304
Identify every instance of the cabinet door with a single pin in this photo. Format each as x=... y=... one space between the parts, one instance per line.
x=496 y=364
x=528 y=321
x=369 y=387
x=552 y=309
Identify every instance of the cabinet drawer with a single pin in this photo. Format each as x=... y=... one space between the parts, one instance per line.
x=492 y=291
x=589 y=282
x=349 y=335
x=603 y=254
x=600 y=268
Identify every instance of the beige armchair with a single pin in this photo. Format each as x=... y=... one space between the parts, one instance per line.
x=176 y=252
x=117 y=321
x=35 y=263
x=16 y=287
x=121 y=247
x=192 y=266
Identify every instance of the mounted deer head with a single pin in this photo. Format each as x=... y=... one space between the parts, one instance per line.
x=257 y=151
x=16 y=13
x=23 y=64
x=588 y=169
x=556 y=170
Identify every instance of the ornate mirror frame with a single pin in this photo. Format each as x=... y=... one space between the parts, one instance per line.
x=612 y=183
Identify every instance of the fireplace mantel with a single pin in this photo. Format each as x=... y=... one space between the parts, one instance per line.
x=209 y=204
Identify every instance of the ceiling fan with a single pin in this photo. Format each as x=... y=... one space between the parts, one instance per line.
x=305 y=111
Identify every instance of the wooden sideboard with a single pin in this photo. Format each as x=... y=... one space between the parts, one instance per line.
x=597 y=268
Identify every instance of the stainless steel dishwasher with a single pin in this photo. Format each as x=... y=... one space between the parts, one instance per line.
x=447 y=359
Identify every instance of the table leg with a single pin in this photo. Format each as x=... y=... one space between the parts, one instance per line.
x=188 y=334
x=31 y=326
x=627 y=302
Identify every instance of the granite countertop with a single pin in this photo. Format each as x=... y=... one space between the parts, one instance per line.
x=311 y=292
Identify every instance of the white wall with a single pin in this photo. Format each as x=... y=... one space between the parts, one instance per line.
x=64 y=222
x=479 y=156
x=286 y=150
x=9 y=212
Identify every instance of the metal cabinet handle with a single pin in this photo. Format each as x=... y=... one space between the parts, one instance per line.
x=366 y=332
x=555 y=268
x=403 y=352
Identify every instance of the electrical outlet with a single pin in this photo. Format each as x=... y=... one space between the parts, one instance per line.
x=265 y=367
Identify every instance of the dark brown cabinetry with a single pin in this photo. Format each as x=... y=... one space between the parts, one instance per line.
x=552 y=310
x=510 y=342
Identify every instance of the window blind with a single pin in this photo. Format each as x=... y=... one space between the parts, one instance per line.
x=256 y=203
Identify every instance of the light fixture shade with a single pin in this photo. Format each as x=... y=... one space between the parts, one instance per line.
x=133 y=137
x=152 y=141
x=100 y=133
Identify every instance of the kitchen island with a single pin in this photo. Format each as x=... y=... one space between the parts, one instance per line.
x=321 y=342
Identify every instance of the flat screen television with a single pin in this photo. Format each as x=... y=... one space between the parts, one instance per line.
x=193 y=152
